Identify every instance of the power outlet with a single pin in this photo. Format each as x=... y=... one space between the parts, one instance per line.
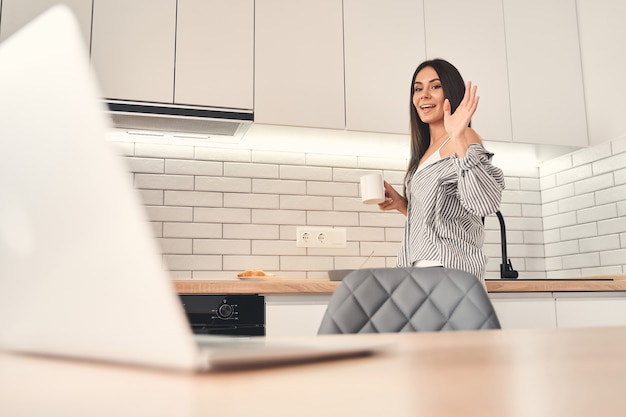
x=320 y=237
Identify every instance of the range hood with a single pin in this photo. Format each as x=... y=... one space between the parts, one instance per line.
x=182 y=122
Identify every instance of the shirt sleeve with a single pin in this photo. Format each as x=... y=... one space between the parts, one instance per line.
x=480 y=183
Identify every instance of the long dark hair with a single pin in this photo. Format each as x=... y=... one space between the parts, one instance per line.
x=453 y=89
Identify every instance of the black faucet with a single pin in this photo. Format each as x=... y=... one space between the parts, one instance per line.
x=506 y=268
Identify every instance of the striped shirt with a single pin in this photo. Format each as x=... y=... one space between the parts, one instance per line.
x=446 y=202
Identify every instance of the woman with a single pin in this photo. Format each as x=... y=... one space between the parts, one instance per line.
x=450 y=184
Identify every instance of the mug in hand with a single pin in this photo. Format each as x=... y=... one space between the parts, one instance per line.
x=372 y=189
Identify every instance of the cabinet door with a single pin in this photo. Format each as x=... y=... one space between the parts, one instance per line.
x=16 y=13
x=519 y=312
x=299 y=63
x=294 y=315
x=132 y=48
x=384 y=43
x=591 y=311
x=545 y=73
x=470 y=35
x=214 y=53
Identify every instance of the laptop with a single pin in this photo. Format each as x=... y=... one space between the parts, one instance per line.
x=80 y=271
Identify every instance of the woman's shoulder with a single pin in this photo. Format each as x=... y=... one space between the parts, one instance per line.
x=472 y=136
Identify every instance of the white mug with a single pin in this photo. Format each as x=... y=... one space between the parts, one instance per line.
x=372 y=189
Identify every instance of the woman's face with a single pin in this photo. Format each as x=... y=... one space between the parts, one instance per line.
x=428 y=95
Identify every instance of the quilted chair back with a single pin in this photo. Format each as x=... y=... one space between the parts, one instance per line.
x=384 y=300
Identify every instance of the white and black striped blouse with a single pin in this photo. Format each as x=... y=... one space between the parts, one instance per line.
x=446 y=203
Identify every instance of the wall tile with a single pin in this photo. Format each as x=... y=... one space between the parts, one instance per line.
x=193 y=167
x=322 y=160
x=290 y=172
x=222 y=215
x=263 y=186
x=192 y=198
x=164 y=182
x=243 y=170
x=223 y=184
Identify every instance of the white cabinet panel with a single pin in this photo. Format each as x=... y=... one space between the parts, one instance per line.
x=525 y=313
x=545 y=75
x=602 y=33
x=294 y=315
x=214 y=53
x=133 y=48
x=16 y=13
x=470 y=35
x=299 y=63
x=384 y=43
x=609 y=310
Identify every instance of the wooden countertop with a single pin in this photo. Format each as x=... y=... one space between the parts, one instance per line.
x=274 y=285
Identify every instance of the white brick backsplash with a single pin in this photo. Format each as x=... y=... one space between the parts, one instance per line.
x=192 y=230
x=609 y=164
x=581 y=260
x=340 y=189
x=307 y=263
x=175 y=246
x=169 y=214
x=576 y=203
x=194 y=262
x=224 y=184
x=217 y=211
x=573 y=174
x=599 y=182
x=611 y=195
x=588 y=155
x=152 y=150
x=222 y=154
x=269 y=157
x=221 y=247
x=612 y=257
x=260 y=216
x=250 y=231
x=330 y=218
x=151 y=197
x=367 y=234
x=221 y=215
x=519 y=196
x=382 y=163
x=164 y=182
x=192 y=198
x=620 y=176
x=579 y=231
x=267 y=201
x=557 y=193
x=306 y=173
x=193 y=167
x=146 y=165
x=235 y=169
x=567 y=247
x=277 y=247
x=297 y=202
x=262 y=186
x=610 y=226
x=385 y=219
x=555 y=165
x=600 y=243
x=324 y=160
x=592 y=214
x=559 y=220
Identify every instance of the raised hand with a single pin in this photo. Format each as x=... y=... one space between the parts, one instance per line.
x=456 y=124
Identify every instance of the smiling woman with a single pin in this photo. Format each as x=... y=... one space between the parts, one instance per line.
x=450 y=184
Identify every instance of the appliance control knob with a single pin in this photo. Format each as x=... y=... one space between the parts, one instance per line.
x=225 y=311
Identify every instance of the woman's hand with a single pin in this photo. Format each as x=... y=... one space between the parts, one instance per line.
x=456 y=124
x=393 y=200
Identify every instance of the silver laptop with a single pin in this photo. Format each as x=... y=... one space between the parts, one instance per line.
x=80 y=271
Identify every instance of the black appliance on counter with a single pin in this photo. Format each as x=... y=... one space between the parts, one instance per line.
x=232 y=314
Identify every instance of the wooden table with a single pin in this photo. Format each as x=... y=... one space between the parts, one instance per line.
x=530 y=373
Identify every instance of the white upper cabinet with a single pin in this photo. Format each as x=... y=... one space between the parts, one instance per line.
x=299 y=76
x=470 y=35
x=384 y=43
x=133 y=48
x=545 y=73
x=215 y=53
x=16 y=13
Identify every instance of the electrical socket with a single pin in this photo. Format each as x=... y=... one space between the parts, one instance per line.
x=320 y=237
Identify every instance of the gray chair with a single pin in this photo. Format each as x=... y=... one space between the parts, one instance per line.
x=384 y=300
